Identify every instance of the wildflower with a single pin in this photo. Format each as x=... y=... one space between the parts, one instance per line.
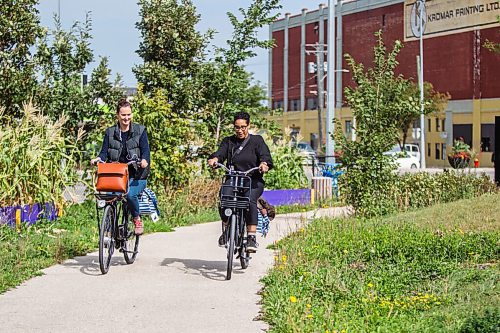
x=345 y=251
x=309 y=316
x=308 y=306
x=370 y=285
x=293 y=299
x=283 y=258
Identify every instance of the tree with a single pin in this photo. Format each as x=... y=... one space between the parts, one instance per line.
x=377 y=101
x=62 y=57
x=172 y=50
x=19 y=30
x=434 y=103
x=226 y=68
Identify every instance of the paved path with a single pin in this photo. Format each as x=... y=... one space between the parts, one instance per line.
x=177 y=284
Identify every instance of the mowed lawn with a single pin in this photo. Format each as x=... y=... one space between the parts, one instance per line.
x=431 y=270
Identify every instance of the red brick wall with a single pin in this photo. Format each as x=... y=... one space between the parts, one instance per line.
x=448 y=60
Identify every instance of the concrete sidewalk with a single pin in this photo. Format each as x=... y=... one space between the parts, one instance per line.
x=177 y=284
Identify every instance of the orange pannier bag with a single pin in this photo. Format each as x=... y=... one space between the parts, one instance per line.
x=112 y=177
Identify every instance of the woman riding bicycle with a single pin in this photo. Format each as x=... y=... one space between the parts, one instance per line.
x=244 y=151
x=122 y=143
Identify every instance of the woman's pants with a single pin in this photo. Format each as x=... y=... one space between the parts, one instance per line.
x=134 y=188
x=251 y=214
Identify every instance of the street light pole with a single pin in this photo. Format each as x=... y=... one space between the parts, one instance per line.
x=330 y=109
x=421 y=81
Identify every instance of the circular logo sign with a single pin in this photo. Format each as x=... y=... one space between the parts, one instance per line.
x=418 y=13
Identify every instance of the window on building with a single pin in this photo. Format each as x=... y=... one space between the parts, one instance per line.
x=429 y=150
x=312 y=103
x=295 y=105
x=463 y=131
x=429 y=123
x=443 y=151
x=487 y=137
x=316 y=28
x=438 y=125
x=278 y=105
x=438 y=151
x=348 y=127
x=443 y=124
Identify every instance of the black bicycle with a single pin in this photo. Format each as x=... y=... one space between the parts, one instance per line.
x=116 y=228
x=235 y=202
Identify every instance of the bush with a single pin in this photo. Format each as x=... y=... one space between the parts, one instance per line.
x=37 y=162
x=487 y=322
x=416 y=190
x=287 y=172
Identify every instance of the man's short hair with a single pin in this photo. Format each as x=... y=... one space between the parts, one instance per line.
x=242 y=115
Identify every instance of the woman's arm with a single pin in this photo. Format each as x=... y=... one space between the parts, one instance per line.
x=221 y=153
x=144 y=146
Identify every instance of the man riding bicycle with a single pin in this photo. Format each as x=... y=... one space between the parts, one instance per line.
x=244 y=151
x=122 y=143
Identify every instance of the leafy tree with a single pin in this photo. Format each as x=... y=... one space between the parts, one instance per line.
x=226 y=71
x=62 y=58
x=378 y=100
x=434 y=103
x=168 y=134
x=171 y=49
x=19 y=30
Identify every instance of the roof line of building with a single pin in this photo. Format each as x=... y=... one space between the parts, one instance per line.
x=348 y=7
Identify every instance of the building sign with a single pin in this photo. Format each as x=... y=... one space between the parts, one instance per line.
x=445 y=17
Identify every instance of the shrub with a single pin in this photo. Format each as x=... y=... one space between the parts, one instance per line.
x=487 y=322
x=416 y=190
x=287 y=172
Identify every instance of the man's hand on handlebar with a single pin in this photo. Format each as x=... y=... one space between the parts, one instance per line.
x=213 y=162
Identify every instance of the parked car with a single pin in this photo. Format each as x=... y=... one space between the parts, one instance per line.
x=306 y=151
x=404 y=160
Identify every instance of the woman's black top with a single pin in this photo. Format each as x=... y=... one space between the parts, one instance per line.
x=254 y=152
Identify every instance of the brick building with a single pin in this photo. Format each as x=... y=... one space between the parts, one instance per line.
x=455 y=61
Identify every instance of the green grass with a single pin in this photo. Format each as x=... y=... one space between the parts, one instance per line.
x=431 y=270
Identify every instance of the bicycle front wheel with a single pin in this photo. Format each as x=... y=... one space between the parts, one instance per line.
x=131 y=240
x=106 y=239
x=230 y=248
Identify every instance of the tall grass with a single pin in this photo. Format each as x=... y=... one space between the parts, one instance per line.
x=36 y=160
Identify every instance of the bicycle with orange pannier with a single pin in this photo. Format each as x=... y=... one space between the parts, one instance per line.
x=116 y=228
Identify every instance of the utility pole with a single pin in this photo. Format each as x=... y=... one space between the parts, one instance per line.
x=330 y=109
x=421 y=14
x=318 y=51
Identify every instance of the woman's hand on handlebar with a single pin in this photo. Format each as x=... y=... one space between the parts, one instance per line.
x=213 y=162
x=144 y=164
x=263 y=167
x=95 y=161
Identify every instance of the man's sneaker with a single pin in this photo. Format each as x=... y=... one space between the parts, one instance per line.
x=139 y=229
x=252 y=244
x=222 y=239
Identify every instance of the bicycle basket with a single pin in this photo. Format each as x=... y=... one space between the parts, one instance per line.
x=235 y=192
x=112 y=177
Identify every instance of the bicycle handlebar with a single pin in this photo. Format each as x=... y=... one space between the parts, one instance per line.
x=236 y=172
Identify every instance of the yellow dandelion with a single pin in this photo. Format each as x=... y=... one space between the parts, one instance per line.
x=345 y=251
x=309 y=316
x=283 y=258
x=308 y=306
x=370 y=285
x=293 y=299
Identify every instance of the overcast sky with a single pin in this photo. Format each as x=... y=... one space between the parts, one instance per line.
x=115 y=35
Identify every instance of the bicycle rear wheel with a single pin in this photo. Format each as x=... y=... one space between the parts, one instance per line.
x=230 y=249
x=106 y=238
x=131 y=240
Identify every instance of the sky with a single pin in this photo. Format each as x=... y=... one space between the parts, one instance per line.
x=115 y=35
